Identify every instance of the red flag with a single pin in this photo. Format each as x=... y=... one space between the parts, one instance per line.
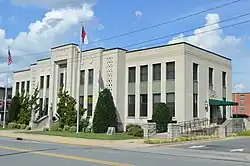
x=9 y=57
x=84 y=36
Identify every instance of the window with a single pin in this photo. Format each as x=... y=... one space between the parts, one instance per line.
x=61 y=79
x=41 y=82
x=46 y=106
x=47 y=81
x=171 y=103
x=224 y=79
x=91 y=76
x=242 y=108
x=131 y=105
x=131 y=74
x=195 y=72
x=242 y=96
x=156 y=72
x=144 y=73
x=17 y=87
x=242 y=101
x=22 y=86
x=156 y=99
x=81 y=102
x=224 y=110
x=195 y=105
x=170 y=70
x=143 y=105
x=210 y=76
x=90 y=105
x=41 y=104
x=28 y=86
x=82 y=77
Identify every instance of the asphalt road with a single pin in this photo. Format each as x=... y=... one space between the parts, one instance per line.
x=234 y=146
x=30 y=153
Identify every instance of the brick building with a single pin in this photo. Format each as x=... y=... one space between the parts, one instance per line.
x=244 y=103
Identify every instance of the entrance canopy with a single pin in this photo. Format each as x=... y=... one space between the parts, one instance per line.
x=214 y=102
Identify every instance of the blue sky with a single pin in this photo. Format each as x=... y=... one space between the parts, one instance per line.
x=46 y=23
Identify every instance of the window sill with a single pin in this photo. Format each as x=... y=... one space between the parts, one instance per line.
x=131 y=117
x=143 y=117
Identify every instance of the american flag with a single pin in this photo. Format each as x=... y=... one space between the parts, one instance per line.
x=9 y=57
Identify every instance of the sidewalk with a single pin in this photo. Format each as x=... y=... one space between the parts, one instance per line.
x=117 y=144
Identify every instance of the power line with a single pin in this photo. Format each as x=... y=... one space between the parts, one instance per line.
x=224 y=27
x=167 y=22
x=170 y=35
x=76 y=59
x=156 y=25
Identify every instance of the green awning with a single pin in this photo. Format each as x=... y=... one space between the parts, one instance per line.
x=214 y=102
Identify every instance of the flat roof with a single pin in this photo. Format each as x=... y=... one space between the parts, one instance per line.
x=241 y=93
x=166 y=45
x=64 y=45
x=21 y=71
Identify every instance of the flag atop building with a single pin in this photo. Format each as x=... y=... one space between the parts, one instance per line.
x=9 y=57
x=84 y=36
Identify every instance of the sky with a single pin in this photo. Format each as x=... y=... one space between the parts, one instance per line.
x=32 y=27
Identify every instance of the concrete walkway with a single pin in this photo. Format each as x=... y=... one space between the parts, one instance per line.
x=117 y=144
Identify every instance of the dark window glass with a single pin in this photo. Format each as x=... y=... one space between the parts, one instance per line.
x=23 y=86
x=171 y=103
x=156 y=99
x=195 y=72
x=131 y=105
x=143 y=105
x=170 y=70
x=28 y=86
x=91 y=76
x=46 y=106
x=210 y=76
x=81 y=102
x=224 y=79
x=61 y=79
x=41 y=104
x=144 y=73
x=47 y=81
x=82 y=77
x=195 y=105
x=90 y=105
x=17 y=87
x=131 y=74
x=41 y=82
x=156 y=72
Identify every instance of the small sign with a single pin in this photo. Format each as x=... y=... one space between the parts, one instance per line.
x=111 y=131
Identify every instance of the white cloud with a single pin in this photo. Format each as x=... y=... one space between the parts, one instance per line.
x=53 y=4
x=101 y=27
x=212 y=40
x=12 y=19
x=138 y=13
x=42 y=35
x=238 y=87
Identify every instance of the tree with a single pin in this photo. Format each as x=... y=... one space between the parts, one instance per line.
x=25 y=114
x=161 y=116
x=66 y=109
x=105 y=112
x=14 y=108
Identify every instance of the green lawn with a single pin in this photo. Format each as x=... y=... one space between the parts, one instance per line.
x=118 y=136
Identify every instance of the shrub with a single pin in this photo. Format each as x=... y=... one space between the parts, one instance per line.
x=72 y=129
x=161 y=116
x=244 y=133
x=23 y=126
x=45 y=129
x=105 y=112
x=14 y=108
x=55 y=126
x=12 y=125
x=60 y=129
x=28 y=128
x=134 y=130
x=66 y=128
x=88 y=130
x=18 y=126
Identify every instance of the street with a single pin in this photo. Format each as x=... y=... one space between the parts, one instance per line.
x=29 y=153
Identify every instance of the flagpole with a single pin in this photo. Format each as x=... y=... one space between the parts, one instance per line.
x=6 y=93
x=79 y=63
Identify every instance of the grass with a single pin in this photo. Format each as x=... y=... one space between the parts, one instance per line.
x=243 y=133
x=179 y=139
x=117 y=136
